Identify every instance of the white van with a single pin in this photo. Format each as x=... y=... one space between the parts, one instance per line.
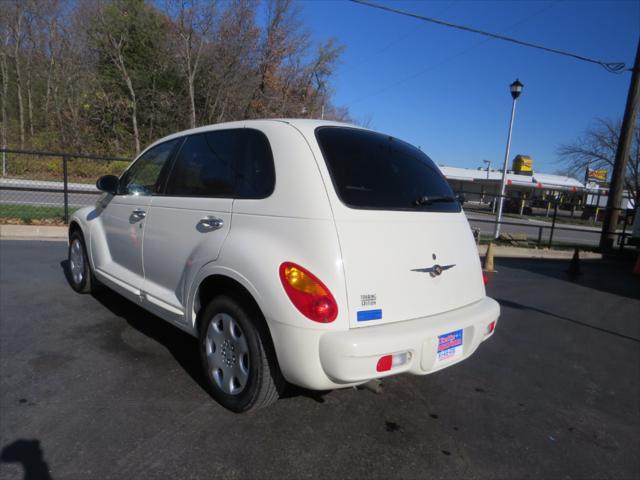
x=301 y=251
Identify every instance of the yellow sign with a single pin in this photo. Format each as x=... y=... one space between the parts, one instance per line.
x=523 y=165
x=597 y=175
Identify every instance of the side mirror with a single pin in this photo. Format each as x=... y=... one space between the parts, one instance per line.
x=108 y=183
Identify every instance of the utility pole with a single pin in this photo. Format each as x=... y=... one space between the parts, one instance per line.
x=612 y=213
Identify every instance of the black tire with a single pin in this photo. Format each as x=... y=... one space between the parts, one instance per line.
x=264 y=382
x=82 y=280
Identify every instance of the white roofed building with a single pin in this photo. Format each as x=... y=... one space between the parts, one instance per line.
x=480 y=185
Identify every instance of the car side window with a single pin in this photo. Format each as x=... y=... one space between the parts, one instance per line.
x=203 y=167
x=254 y=170
x=235 y=163
x=142 y=177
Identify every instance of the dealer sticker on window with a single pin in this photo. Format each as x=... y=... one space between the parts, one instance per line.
x=449 y=346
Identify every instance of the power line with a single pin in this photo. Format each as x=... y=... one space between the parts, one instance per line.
x=612 y=67
x=454 y=56
x=393 y=42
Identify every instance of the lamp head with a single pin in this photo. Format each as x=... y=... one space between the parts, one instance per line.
x=516 y=88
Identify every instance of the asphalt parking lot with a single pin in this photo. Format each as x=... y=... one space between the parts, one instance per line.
x=95 y=387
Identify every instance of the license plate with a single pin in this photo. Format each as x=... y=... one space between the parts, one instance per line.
x=449 y=346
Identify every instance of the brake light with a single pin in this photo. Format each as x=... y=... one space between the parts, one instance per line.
x=491 y=327
x=308 y=294
x=485 y=278
x=384 y=363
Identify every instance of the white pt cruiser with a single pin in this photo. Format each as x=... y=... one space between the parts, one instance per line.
x=301 y=251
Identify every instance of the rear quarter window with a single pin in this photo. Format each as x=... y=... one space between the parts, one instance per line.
x=234 y=163
x=371 y=170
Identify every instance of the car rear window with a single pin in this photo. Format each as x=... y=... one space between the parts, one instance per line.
x=371 y=170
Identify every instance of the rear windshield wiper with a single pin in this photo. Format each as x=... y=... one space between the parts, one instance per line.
x=425 y=200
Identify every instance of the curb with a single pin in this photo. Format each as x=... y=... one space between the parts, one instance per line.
x=542 y=253
x=33 y=232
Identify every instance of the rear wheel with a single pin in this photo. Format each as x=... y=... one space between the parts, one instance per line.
x=80 y=274
x=240 y=368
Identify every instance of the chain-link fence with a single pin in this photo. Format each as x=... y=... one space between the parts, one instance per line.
x=46 y=187
x=550 y=220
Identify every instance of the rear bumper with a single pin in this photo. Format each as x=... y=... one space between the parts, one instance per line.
x=324 y=360
x=352 y=356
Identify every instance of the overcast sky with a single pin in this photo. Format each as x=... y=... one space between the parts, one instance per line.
x=448 y=91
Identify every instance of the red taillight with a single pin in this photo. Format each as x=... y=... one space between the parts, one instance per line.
x=384 y=363
x=307 y=293
x=491 y=327
x=485 y=278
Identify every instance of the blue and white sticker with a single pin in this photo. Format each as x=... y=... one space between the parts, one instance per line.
x=366 y=315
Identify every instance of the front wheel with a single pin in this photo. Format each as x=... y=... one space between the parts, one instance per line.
x=241 y=371
x=80 y=274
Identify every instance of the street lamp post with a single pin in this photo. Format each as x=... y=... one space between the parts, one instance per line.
x=516 y=90
x=488 y=162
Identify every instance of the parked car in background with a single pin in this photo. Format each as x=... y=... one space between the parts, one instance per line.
x=301 y=251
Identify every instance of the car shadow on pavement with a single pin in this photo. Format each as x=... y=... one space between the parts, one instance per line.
x=607 y=275
x=182 y=346
x=293 y=391
x=29 y=454
x=66 y=269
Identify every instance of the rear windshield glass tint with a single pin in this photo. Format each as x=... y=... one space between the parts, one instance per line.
x=372 y=170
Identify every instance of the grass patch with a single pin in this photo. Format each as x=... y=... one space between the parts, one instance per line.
x=80 y=170
x=28 y=214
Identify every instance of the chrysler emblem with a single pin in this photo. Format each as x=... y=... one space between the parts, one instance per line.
x=434 y=271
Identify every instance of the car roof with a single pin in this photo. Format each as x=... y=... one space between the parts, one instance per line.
x=304 y=123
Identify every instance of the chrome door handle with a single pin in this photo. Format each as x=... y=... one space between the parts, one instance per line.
x=211 y=223
x=139 y=214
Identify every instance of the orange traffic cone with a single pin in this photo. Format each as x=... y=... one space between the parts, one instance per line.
x=636 y=269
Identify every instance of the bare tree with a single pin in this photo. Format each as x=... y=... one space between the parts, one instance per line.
x=106 y=76
x=30 y=52
x=4 y=71
x=17 y=30
x=283 y=40
x=51 y=42
x=114 y=42
x=596 y=149
x=316 y=77
x=193 y=23
x=230 y=77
